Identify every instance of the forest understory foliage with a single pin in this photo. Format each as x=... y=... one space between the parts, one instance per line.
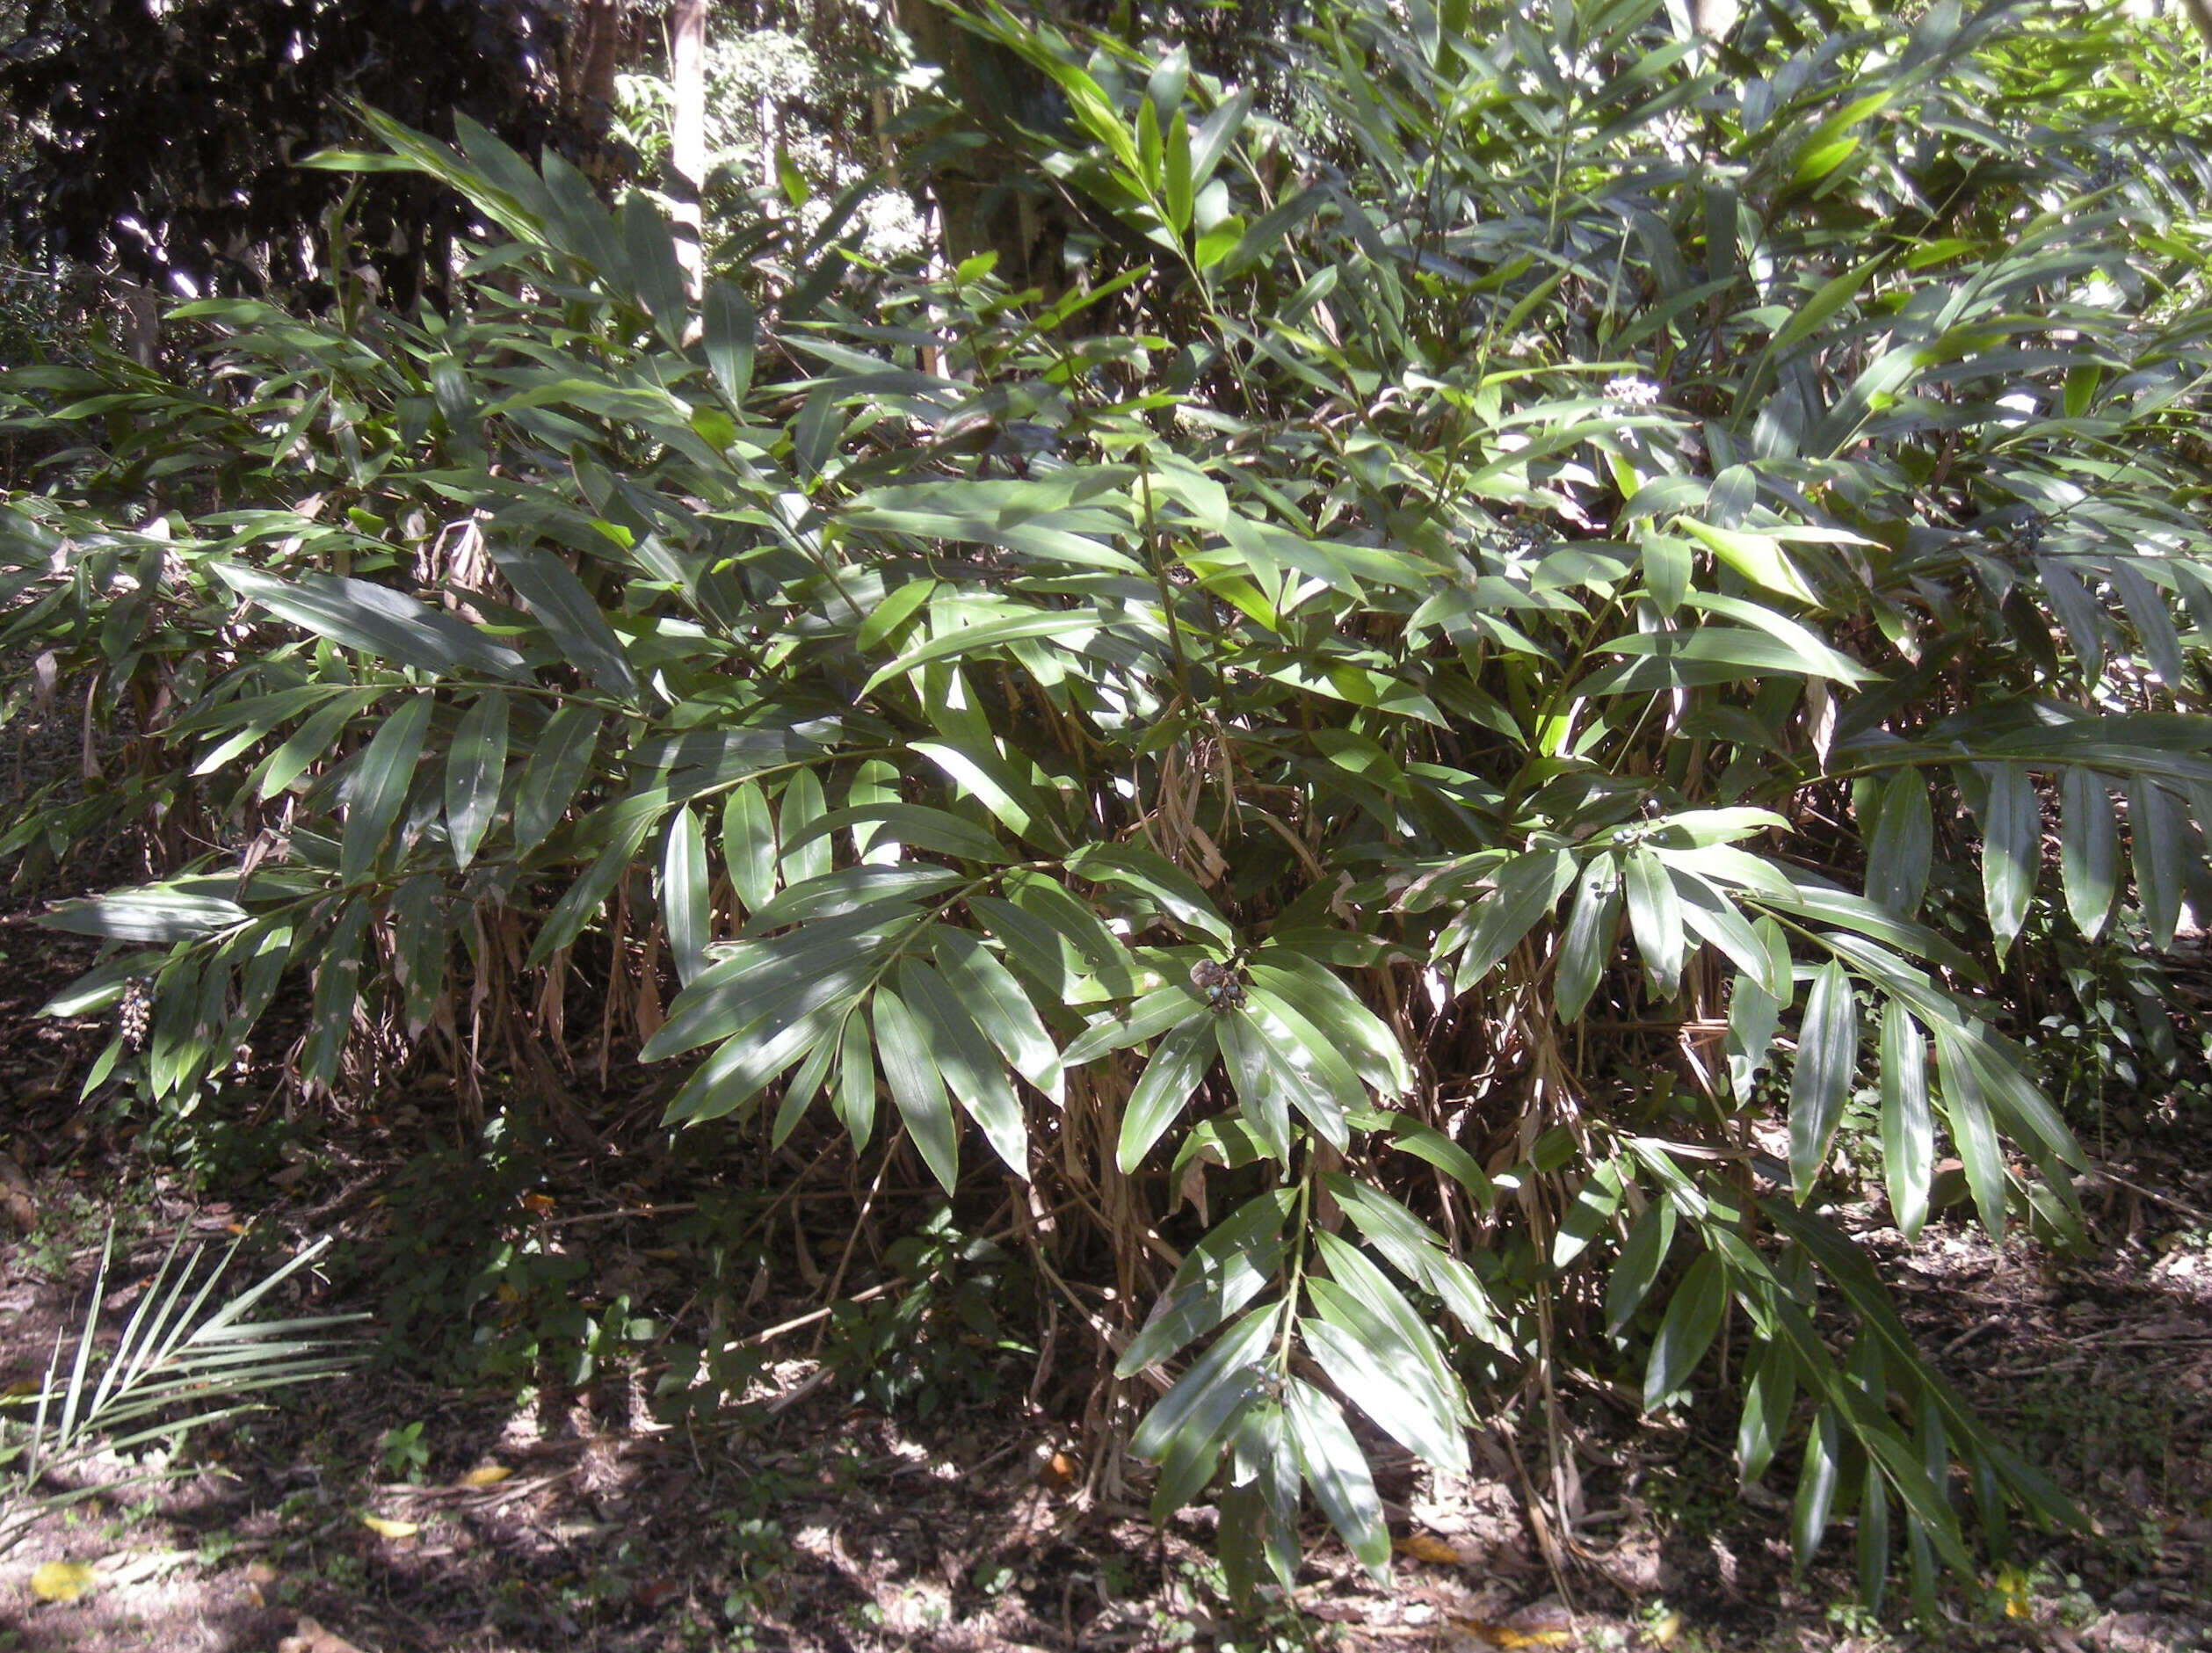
x=1545 y=648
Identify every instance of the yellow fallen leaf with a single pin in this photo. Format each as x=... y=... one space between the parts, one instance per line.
x=486 y=1475
x=1506 y=1636
x=1426 y=1546
x=2013 y=1585
x=60 y=1581
x=1662 y=1630
x=384 y=1528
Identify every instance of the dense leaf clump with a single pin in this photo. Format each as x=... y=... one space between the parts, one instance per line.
x=1480 y=692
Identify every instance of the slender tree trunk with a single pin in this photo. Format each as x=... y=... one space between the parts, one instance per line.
x=688 y=51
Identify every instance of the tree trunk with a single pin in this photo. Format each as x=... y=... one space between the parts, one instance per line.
x=688 y=68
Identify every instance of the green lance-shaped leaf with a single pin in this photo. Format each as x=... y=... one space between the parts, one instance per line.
x=337 y=979
x=1874 y=1536
x=658 y=278
x=2147 y=610
x=2088 y=849
x=1692 y=1320
x=1324 y=998
x=1754 y=1016
x=1527 y=886
x=630 y=823
x=853 y=1095
x=1177 y=1065
x=1587 y=942
x=1816 y=1486
x=475 y=768
x=1973 y=1132
x=420 y=945
x=749 y=845
x=1899 y=849
x=1217 y=1277
x=151 y=912
x=802 y=806
x=1827 y=1056
x=728 y=338
x=1322 y=1085
x=1588 y=1215
x=556 y=771
x=1337 y=1470
x=972 y=1070
x=550 y=590
x=1184 y=1431
x=1770 y=1385
x=2154 y=842
x=2012 y=850
x=1642 y=1255
x=378 y=791
x=1263 y=1093
x=1150 y=1017
x=684 y=890
x=1175 y=892
x=1908 y=1125
x=917 y=1086
x=1380 y=1390
x=377 y=621
x=987 y=991
x=804 y=1085
x=1655 y=916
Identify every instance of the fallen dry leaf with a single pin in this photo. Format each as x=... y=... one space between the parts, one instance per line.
x=60 y=1581
x=1426 y=1546
x=311 y=1637
x=1506 y=1635
x=1059 y=1470
x=385 y=1528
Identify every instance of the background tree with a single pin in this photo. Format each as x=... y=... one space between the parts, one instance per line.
x=163 y=140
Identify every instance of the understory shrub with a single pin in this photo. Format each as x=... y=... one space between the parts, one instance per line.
x=1404 y=775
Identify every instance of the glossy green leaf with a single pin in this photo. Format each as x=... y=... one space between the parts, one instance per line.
x=988 y=991
x=1908 y=1125
x=1173 y=1070
x=1827 y=1057
x=800 y=807
x=555 y=774
x=686 y=912
x=972 y=1070
x=749 y=845
x=1655 y=917
x=2154 y=843
x=1899 y=849
x=379 y=787
x=1809 y=1510
x=1398 y=1408
x=551 y=590
x=2012 y=850
x=2088 y=849
x=728 y=340
x=378 y=620
x=1586 y=945
x=475 y=769
x=1337 y=1470
x=1525 y=887
x=917 y=1086
x=1222 y=1272
x=1637 y=1268
x=1692 y=1321
x=337 y=988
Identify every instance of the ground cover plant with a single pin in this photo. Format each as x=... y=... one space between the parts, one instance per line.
x=1434 y=748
